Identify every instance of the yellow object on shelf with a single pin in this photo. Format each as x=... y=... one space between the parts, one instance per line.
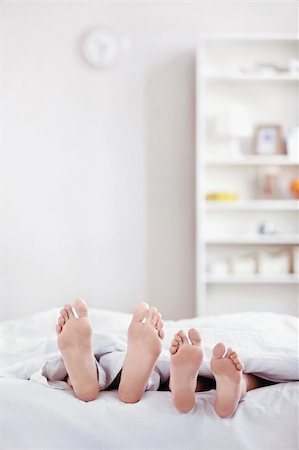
x=222 y=196
x=294 y=186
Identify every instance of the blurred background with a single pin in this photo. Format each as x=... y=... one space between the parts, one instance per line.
x=149 y=152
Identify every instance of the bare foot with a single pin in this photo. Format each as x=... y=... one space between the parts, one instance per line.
x=145 y=336
x=227 y=369
x=75 y=344
x=185 y=361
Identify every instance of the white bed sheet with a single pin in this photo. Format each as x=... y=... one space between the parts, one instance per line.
x=34 y=416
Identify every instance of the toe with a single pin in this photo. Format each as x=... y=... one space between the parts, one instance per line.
x=194 y=336
x=61 y=321
x=229 y=352
x=183 y=337
x=140 y=312
x=161 y=333
x=175 y=343
x=156 y=319
x=178 y=338
x=240 y=366
x=151 y=314
x=64 y=314
x=236 y=359
x=238 y=363
x=160 y=324
x=81 y=307
x=69 y=310
x=58 y=328
x=232 y=354
x=160 y=329
x=219 y=351
x=173 y=349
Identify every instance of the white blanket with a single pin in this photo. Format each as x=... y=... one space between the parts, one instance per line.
x=266 y=342
x=32 y=416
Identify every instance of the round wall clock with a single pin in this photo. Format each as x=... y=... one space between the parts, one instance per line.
x=101 y=48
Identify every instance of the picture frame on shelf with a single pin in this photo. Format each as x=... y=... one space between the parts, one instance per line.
x=268 y=140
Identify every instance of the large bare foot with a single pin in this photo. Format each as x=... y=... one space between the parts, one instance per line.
x=227 y=369
x=145 y=336
x=75 y=344
x=185 y=361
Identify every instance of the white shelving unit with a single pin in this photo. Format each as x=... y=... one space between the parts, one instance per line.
x=253 y=240
x=236 y=77
x=230 y=227
x=253 y=160
x=253 y=205
x=252 y=279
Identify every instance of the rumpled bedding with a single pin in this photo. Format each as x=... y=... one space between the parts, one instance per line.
x=266 y=342
x=35 y=416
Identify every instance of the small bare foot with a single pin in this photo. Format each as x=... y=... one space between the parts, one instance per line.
x=227 y=369
x=75 y=344
x=185 y=361
x=145 y=336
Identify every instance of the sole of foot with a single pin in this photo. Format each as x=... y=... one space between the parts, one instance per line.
x=74 y=339
x=145 y=336
x=186 y=357
x=227 y=369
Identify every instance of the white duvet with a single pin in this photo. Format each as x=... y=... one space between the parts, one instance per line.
x=35 y=416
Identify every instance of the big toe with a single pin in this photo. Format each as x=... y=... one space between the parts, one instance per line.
x=194 y=336
x=140 y=312
x=81 y=307
x=219 y=351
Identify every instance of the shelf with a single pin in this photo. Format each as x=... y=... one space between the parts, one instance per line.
x=253 y=161
x=252 y=205
x=250 y=37
x=244 y=77
x=255 y=240
x=252 y=279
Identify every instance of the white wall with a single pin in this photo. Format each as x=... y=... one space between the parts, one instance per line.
x=97 y=168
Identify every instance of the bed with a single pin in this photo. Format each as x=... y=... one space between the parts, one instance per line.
x=36 y=416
